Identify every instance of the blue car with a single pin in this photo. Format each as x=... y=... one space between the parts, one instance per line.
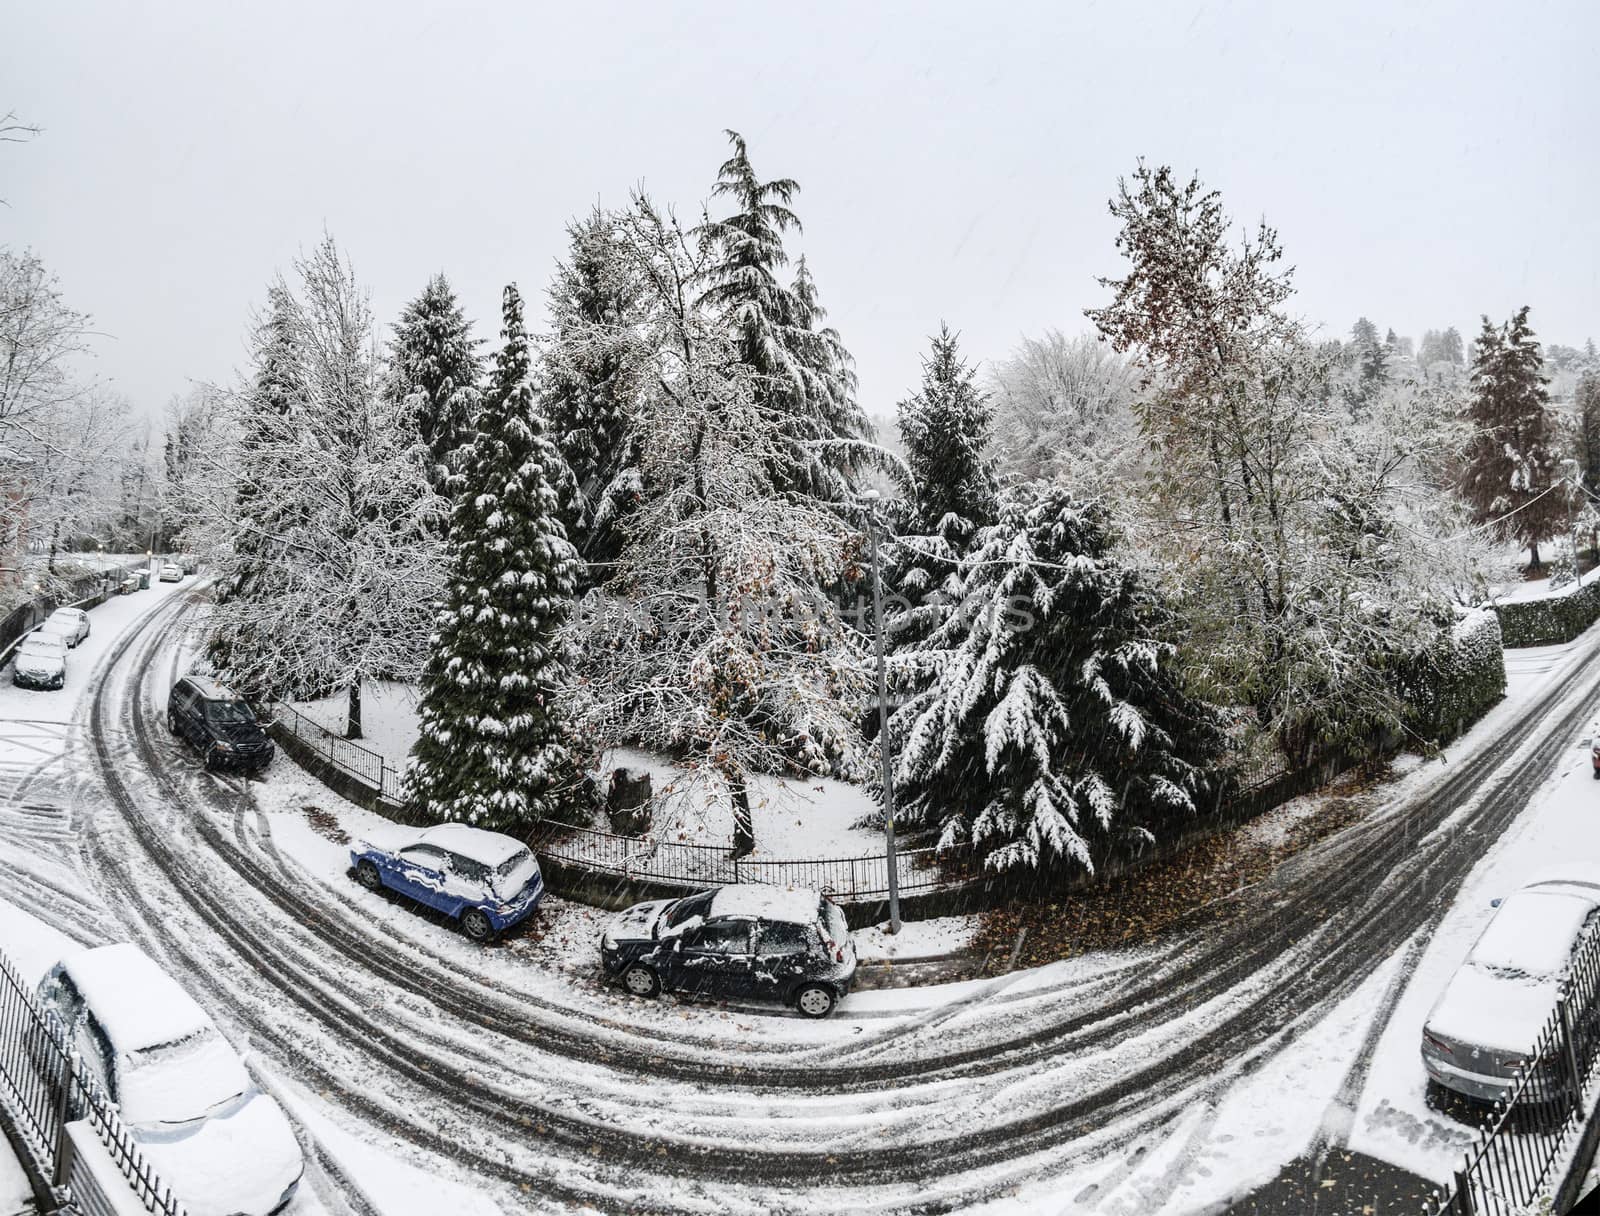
x=484 y=881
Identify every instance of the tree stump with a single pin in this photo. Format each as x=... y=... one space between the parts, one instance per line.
x=628 y=801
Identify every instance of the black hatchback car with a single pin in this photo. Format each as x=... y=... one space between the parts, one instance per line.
x=740 y=942
x=219 y=723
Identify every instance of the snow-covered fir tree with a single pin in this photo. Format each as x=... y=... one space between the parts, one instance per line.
x=434 y=371
x=492 y=750
x=802 y=373
x=944 y=428
x=1051 y=723
x=1586 y=426
x=1513 y=462
x=592 y=366
x=711 y=640
x=331 y=565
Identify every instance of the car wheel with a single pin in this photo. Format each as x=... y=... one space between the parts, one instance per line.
x=815 y=1000
x=1597 y=774
x=475 y=923
x=641 y=981
x=367 y=875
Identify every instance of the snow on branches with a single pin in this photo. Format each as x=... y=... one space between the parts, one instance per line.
x=492 y=750
x=1049 y=720
x=327 y=563
x=712 y=638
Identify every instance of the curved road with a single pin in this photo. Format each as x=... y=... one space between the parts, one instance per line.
x=573 y=1097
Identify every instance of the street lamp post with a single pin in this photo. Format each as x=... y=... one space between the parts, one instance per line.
x=883 y=719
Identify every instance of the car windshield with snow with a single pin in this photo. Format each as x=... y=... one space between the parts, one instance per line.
x=1483 y=1028
x=223 y=1146
x=484 y=881
x=744 y=942
x=40 y=662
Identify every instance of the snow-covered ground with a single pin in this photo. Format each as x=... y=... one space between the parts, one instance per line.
x=1539 y=588
x=16 y=1197
x=793 y=819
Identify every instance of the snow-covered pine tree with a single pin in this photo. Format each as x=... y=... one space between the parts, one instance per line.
x=592 y=365
x=801 y=372
x=1371 y=357
x=434 y=371
x=1052 y=723
x=492 y=751
x=712 y=641
x=1512 y=462
x=1586 y=411
x=945 y=429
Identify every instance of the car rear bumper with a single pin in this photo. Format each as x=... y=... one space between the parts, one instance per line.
x=23 y=679
x=1475 y=1085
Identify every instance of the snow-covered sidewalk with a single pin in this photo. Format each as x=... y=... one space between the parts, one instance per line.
x=16 y=1196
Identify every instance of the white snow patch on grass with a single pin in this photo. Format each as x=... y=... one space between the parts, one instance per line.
x=917 y=938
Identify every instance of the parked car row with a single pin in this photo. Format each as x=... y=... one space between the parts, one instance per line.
x=749 y=941
x=40 y=661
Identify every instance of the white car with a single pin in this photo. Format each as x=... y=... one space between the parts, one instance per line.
x=171 y=572
x=1485 y=1025
x=71 y=623
x=40 y=662
x=223 y=1146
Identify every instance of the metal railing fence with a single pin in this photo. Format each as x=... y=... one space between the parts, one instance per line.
x=47 y=1091
x=1508 y=1171
x=846 y=879
x=347 y=755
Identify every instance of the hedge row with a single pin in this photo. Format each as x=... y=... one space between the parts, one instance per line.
x=1467 y=676
x=1555 y=619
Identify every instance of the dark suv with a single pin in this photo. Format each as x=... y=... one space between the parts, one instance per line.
x=741 y=942
x=219 y=723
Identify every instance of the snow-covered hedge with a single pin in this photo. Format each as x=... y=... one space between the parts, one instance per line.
x=1453 y=684
x=1551 y=620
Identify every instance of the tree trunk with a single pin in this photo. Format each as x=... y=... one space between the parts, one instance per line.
x=353 y=725
x=1535 y=565
x=744 y=828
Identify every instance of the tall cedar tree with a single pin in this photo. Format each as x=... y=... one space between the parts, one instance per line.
x=435 y=371
x=276 y=394
x=593 y=364
x=1512 y=460
x=945 y=428
x=802 y=373
x=1586 y=402
x=1052 y=724
x=492 y=751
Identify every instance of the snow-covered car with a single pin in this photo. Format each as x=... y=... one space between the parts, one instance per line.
x=484 y=881
x=58 y=627
x=1485 y=1026
x=749 y=941
x=40 y=662
x=171 y=572
x=189 y=562
x=223 y=1146
x=71 y=623
x=219 y=723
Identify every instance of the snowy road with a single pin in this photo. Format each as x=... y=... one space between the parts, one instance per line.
x=1113 y=1079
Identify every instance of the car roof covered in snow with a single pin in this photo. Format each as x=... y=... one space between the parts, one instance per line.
x=1535 y=930
x=68 y=614
x=796 y=905
x=137 y=1004
x=211 y=690
x=475 y=844
x=51 y=641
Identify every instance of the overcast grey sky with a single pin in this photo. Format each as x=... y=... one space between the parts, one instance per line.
x=1423 y=162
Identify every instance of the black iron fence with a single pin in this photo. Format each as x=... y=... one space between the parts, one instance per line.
x=694 y=866
x=348 y=756
x=1509 y=1171
x=65 y=1124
